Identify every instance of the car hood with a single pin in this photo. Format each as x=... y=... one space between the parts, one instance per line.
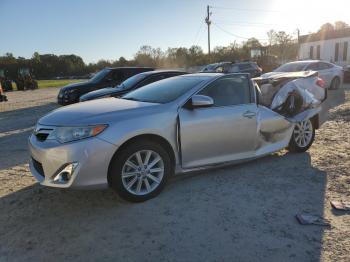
x=100 y=111
x=76 y=85
x=109 y=91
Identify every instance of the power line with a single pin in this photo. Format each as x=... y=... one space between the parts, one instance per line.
x=246 y=10
x=246 y=25
x=237 y=36
x=243 y=22
x=196 y=36
x=200 y=35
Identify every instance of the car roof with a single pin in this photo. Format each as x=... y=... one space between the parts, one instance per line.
x=155 y=72
x=129 y=67
x=245 y=62
x=203 y=75
x=305 y=61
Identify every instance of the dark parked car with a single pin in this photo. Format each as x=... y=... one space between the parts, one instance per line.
x=107 y=77
x=130 y=84
x=228 y=67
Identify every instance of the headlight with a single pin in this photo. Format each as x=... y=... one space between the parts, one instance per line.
x=69 y=91
x=68 y=134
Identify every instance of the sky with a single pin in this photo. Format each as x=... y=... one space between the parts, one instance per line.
x=109 y=29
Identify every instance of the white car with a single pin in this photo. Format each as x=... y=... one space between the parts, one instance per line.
x=180 y=124
x=332 y=74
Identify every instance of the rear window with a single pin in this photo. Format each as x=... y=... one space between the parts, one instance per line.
x=132 y=81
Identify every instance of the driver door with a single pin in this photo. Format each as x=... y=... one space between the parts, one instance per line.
x=223 y=132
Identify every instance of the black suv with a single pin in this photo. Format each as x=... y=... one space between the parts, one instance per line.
x=131 y=83
x=228 y=67
x=107 y=77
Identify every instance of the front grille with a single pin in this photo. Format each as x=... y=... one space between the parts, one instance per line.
x=38 y=167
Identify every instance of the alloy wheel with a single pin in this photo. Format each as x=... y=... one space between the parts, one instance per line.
x=142 y=172
x=303 y=133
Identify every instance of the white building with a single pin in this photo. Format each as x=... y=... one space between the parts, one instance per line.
x=332 y=46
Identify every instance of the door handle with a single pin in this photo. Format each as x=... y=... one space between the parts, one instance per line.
x=249 y=114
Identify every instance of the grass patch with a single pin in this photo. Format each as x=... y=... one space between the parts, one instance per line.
x=57 y=83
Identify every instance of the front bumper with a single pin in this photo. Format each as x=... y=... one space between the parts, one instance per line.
x=64 y=101
x=92 y=156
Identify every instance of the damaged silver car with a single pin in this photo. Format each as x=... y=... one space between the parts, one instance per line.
x=181 y=124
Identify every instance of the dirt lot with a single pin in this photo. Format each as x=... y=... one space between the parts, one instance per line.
x=241 y=213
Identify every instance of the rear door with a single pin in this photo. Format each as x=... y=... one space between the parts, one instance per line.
x=223 y=132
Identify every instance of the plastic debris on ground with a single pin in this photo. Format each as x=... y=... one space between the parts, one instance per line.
x=341 y=205
x=309 y=219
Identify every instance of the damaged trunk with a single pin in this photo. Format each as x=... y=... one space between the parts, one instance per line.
x=296 y=96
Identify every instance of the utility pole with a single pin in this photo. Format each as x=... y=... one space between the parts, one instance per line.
x=298 y=34
x=208 y=22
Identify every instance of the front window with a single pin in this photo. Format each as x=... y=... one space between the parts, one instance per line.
x=164 y=91
x=228 y=91
x=100 y=75
x=291 y=67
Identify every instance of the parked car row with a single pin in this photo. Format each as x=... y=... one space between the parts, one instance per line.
x=181 y=123
x=119 y=81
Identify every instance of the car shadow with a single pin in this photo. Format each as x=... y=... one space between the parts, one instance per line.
x=23 y=117
x=15 y=129
x=244 y=212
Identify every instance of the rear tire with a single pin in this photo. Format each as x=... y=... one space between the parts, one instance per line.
x=303 y=136
x=335 y=84
x=140 y=171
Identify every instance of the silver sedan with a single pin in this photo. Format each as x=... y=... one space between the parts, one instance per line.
x=332 y=74
x=181 y=124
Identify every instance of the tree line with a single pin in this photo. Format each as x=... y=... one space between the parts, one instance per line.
x=281 y=47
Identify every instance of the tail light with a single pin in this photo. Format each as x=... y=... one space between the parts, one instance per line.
x=320 y=82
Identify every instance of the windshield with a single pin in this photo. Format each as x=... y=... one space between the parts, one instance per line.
x=164 y=91
x=291 y=67
x=132 y=81
x=99 y=75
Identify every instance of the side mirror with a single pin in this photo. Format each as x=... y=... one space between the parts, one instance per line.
x=201 y=101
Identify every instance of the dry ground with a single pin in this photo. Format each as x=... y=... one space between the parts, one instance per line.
x=240 y=213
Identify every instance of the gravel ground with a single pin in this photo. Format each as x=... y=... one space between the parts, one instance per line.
x=240 y=213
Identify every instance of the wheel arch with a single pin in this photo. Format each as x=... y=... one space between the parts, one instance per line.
x=146 y=137
x=336 y=77
x=316 y=121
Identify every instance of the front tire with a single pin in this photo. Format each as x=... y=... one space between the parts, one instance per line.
x=303 y=136
x=140 y=171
